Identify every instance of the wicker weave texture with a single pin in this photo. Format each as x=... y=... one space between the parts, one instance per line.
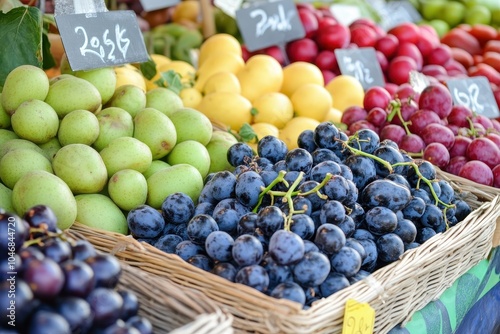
x=395 y=291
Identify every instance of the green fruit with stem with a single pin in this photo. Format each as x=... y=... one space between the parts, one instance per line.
x=104 y=79
x=179 y=178
x=113 y=123
x=73 y=94
x=130 y=98
x=192 y=124
x=16 y=163
x=23 y=83
x=81 y=167
x=126 y=153
x=41 y=187
x=190 y=152
x=128 y=189
x=78 y=127
x=36 y=121
x=155 y=166
x=100 y=212
x=164 y=100
x=156 y=130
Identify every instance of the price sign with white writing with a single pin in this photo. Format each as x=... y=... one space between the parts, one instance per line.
x=362 y=64
x=101 y=39
x=150 y=5
x=270 y=23
x=474 y=93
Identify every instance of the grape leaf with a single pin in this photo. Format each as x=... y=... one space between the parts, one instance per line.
x=20 y=39
x=171 y=80
x=247 y=133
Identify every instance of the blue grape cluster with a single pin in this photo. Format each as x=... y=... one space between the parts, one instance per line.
x=54 y=285
x=304 y=223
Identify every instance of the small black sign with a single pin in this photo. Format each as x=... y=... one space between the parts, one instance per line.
x=269 y=23
x=150 y=5
x=362 y=64
x=474 y=93
x=395 y=12
x=101 y=39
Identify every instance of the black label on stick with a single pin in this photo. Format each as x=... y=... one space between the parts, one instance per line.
x=270 y=23
x=362 y=64
x=101 y=39
x=150 y=5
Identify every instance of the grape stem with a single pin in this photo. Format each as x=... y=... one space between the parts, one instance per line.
x=396 y=111
x=47 y=235
x=386 y=164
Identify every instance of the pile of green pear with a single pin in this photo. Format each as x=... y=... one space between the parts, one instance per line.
x=93 y=151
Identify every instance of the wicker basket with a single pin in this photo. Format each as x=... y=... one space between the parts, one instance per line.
x=395 y=291
x=172 y=308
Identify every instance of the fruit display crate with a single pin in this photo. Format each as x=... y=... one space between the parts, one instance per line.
x=169 y=307
x=395 y=291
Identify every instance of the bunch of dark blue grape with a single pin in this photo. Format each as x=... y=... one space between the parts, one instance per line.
x=304 y=223
x=54 y=285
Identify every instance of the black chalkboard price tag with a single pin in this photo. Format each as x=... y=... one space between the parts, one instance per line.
x=102 y=39
x=150 y=5
x=362 y=64
x=474 y=93
x=269 y=23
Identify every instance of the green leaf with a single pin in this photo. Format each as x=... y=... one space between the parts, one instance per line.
x=20 y=39
x=148 y=69
x=247 y=133
x=171 y=80
x=48 y=59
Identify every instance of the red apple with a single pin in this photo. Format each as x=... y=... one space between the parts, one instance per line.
x=304 y=49
x=326 y=21
x=428 y=41
x=412 y=51
x=367 y=22
x=326 y=60
x=388 y=45
x=275 y=52
x=382 y=60
x=363 y=35
x=333 y=37
x=406 y=32
x=309 y=22
x=399 y=69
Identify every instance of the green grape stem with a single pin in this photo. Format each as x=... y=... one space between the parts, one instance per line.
x=396 y=111
x=383 y=162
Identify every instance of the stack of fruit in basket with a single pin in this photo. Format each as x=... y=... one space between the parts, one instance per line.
x=304 y=223
x=54 y=285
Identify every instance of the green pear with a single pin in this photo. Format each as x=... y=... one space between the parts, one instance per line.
x=217 y=150
x=41 y=187
x=190 y=152
x=72 y=94
x=50 y=148
x=16 y=163
x=164 y=100
x=128 y=189
x=126 y=153
x=15 y=144
x=156 y=130
x=6 y=199
x=35 y=121
x=60 y=77
x=4 y=117
x=23 y=83
x=81 y=167
x=113 y=123
x=192 y=124
x=78 y=127
x=179 y=178
x=155 y=166
x=104 y=79
x=6 y=135
x=98 y=211
x=128 y=97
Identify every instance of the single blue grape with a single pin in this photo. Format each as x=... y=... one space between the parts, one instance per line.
x=346 y=261
x=225 y=270
x=306 y=140
x=219 y=246
x=168 y=243
x=332 y=212
x=299 y=160
x=370 y=260
x=286 y=247
x=381 y=220
x=365 y=140
x=272 y=148
x=302 y=225
x=326 y=134
x=246 y=224
x=201 y=261
x=247 y=250
x=406 y=230
x=291 y=291
x=277 y=273
x=187 y=248
x=337 y=188
x=312 y=269
x=329 y=238
x=319 y=171
x=254 y=276
x=204 y=207
x=323 y=154
x=222 y=185
x=390 y=247
x=333 y=283
x=177 y=208
x=248 y=187
x=239 y=154
x=316 y=201
x=145 y=221
x=200 y=226
x=270 y=219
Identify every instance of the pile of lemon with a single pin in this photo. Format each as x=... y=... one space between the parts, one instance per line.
x=274 y=100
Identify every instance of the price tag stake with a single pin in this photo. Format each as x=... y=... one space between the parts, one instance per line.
x=360 y=64
x=359 y=318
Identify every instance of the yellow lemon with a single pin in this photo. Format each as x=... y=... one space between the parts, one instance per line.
x=346 y=91
x=222 y=82
x=218 y=62
x=129 y=75
x=333 y=115
x=190 y=97
x=311 y=100
x=274 y=108
x=217 y=43
x=261 y=74
x=290 y=133
x=160 y=59
x=300 y=73
x=186 y=10
x=261 y=130
x=228 y=108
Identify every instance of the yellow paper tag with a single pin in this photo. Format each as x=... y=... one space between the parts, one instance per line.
x=359 y=318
